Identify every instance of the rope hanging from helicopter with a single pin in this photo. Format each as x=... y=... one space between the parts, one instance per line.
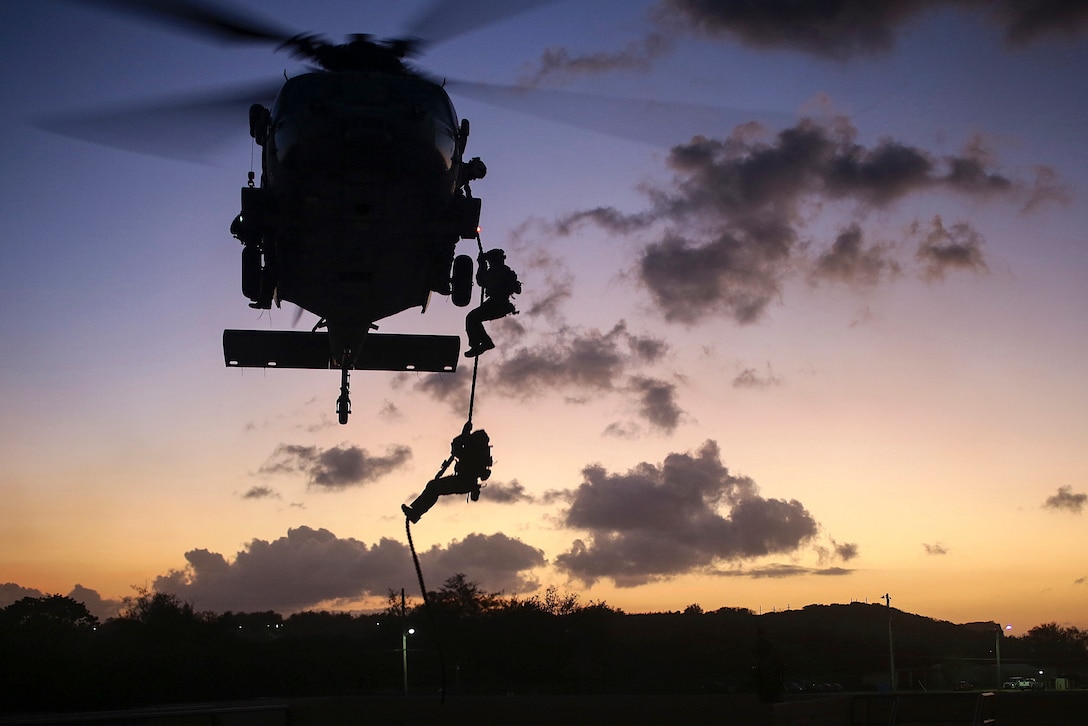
x=409 y=519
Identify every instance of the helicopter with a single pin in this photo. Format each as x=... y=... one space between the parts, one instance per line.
x=364 y=189
x=363 y=195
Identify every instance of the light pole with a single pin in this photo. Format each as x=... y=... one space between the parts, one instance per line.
x=997 y=651
x=404 y=653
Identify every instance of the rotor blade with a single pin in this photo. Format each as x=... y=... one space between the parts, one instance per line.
x=654 y=122
x=183 y=127
x=207 y=18
x=447 y=19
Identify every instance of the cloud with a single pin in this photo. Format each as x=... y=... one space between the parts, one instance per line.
x=655 y=522
x=512 y=492
x=497 y=562
x=337 y=468
x=732 y=224
x=101 y=608
x=1066 y=501
x=558 y=63
x=261 y=492
x=308 y=567
x=10 y=592
x=450 y=388
x=943 y=249
x=657 y=400
x=936 y=549
x=846 y=551
x=850 y=261
x=96 y=605
x=749 y=378
x=845 y=29
x=778 y=570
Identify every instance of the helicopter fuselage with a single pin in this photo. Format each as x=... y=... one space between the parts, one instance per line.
x=362 y=197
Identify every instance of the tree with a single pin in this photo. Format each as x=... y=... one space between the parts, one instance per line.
x=54 y=614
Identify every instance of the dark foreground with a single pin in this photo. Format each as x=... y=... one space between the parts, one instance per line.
x=913 y=709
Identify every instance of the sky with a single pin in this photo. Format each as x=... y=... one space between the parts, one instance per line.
x=811 y=327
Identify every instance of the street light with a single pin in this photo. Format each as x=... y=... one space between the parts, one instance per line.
x=404 y=653
x=997 y=651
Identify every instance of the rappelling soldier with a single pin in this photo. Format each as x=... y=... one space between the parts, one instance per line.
x=472 y=450
x=499 y=283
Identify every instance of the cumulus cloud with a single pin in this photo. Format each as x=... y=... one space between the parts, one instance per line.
x=11 y=592
x=101 y=608
x=337 y=468
x=1065 y=500
x=497 y=562
x=844 y=29
x=308 y=567
x=655 y=522
x=731 y=226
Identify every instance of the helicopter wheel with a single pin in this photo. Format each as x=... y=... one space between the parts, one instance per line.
x=461 y=281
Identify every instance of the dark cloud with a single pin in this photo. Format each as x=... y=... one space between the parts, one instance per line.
x=309 y=566
x=101 y=608
x=843 y=29
x=449 y=388
x=657 y=401
x=851 y=262
x=98 y=606
x=658 y=521
x=10 y=592
x=581 y=359
x=937 y=549
x=731 y=225
x=558 y=63
x=512 y=492
x=337 y=468
x=260 y=492
x=942 y=249
x=497 y=562
x=1066 y=501
x=846 y=551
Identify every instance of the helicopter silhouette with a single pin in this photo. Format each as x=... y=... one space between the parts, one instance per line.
x=364 y=190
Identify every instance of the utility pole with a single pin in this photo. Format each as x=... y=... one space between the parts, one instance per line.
x=891 y=648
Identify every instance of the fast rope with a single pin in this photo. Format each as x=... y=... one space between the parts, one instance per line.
x=408 y=522
x=427 y=607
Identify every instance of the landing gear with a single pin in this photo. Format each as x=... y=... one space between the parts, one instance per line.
x=461 y=280
x=343 y=404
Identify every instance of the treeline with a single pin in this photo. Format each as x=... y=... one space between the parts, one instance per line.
x=54 y=655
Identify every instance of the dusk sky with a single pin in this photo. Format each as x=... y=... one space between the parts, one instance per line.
x=812 y=329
